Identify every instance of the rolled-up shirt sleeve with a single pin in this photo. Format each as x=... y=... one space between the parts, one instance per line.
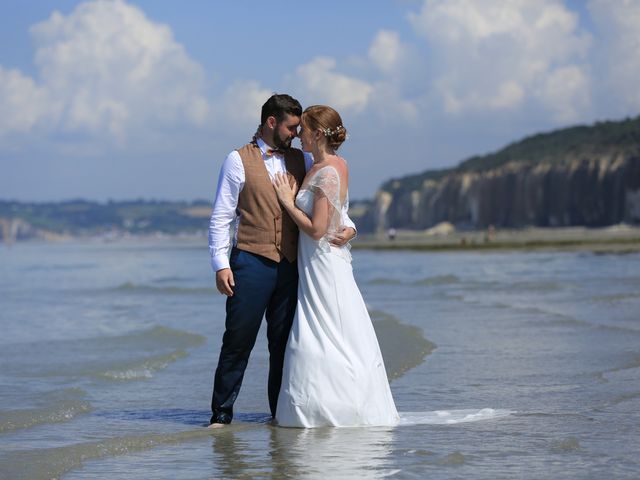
x=230 y=183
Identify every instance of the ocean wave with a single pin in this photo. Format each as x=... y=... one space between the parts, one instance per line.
x=130 y=287
x=138 y=370
x=61 y=267
x=438 y=280
x=451 y=417
x=48 y=463
x=131 y=356
x=157 y=336
x=154 y=337
x=633 y=362
x=61 y=406
x=623 y=397
x=532 y=286
x=515 y=287
x=477 y=284
x=170 y=279
x=428 y=281
x=617 y=298
x=386 y=281
x=618 y=328
x=166 y=336
x=544 y=317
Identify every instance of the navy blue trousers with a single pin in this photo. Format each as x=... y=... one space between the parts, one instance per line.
x=263 y=288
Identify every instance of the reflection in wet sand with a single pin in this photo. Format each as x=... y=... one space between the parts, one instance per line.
x=332 y=452
x=363 y=453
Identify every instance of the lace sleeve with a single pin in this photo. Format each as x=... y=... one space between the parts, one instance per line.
x=326 y=182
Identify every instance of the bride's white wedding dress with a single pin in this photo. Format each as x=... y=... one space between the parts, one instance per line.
x=333 y=374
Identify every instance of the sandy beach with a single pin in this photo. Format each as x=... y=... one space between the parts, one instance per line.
x=617 y=238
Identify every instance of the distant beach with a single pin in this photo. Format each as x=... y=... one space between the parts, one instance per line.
x=616 y=239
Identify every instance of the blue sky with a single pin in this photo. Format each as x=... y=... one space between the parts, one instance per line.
x=144 y=99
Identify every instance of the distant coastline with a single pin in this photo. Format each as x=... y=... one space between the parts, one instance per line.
x=59 y=221
x=540 y=192
x=615 y=239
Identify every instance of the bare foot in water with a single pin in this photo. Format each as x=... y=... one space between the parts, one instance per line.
x=217 y=425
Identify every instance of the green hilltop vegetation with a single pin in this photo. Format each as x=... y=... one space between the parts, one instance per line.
x=554 y=147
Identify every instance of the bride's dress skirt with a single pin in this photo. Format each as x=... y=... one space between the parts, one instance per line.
x=334 y=374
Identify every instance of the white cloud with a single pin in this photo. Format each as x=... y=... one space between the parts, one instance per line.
x=22 y=102
x=617 y=57
x=497 y=55
x=243 y=101
x=469 y=76
x=389 y=103
x=319 y=80
x=506 y=95
x=107 y=71
x=464 y=19
x=386 y=51
x=566 y=93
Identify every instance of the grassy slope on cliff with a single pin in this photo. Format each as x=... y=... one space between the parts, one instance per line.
x=553 y=147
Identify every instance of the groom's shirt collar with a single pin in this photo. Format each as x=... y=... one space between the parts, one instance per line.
x=263 y=147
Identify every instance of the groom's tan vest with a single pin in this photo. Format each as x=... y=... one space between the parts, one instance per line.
x=265 y=227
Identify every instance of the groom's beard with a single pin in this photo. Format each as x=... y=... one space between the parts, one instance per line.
x=281 y=143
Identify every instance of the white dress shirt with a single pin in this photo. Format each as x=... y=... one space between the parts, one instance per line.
x=225 y=206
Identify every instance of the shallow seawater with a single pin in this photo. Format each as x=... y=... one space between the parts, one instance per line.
x=509 y=365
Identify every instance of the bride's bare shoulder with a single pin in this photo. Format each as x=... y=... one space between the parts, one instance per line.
x=340 y=165
x=343 y=170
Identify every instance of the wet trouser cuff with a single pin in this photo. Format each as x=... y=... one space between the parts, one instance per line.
x=221 y=417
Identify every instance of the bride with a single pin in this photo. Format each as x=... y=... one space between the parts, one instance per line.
x=333 y=374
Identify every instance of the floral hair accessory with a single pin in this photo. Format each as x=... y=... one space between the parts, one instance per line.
x=330 y=133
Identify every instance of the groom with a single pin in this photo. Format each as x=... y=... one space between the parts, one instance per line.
x=261 y=276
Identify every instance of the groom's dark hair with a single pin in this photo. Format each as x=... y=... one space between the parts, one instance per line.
x=278 y=105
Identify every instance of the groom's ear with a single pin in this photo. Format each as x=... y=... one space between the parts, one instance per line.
x=272 y=122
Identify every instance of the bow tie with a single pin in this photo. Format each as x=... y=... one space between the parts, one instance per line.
x=274 y=151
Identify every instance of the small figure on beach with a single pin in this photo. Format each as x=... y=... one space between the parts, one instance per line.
x=490 y=235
